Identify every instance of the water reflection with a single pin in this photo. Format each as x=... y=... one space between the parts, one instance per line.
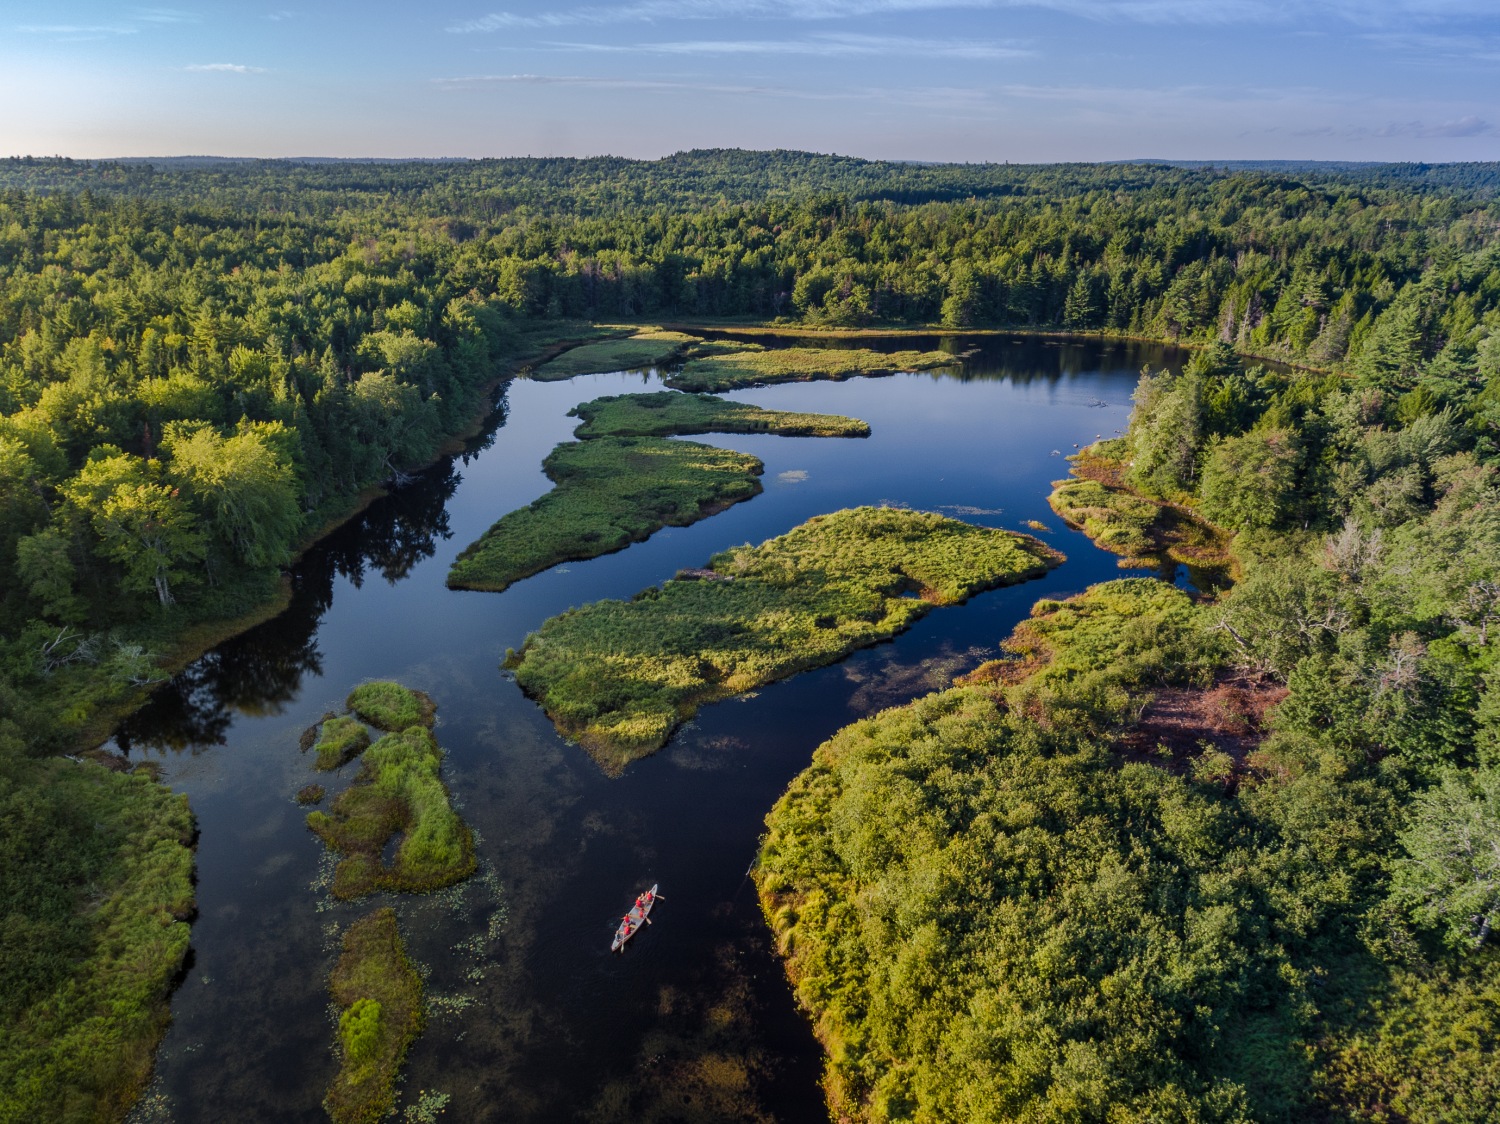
x=259 y=671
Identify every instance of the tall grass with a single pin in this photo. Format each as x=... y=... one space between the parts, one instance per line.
x=649 y=348
x=621 y=676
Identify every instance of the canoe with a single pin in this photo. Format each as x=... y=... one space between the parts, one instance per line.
x=634 y=921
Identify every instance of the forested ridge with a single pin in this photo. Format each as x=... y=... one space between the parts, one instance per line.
x=202 y=365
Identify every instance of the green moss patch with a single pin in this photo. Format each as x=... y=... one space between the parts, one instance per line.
x=341 y=739
x=667 y=412
x=390 y=706
x=644 y=349
x=760 y=366
x=95 y=895
x=621 y=676
x=379 y=993
x=610 y=493
x=399 y=791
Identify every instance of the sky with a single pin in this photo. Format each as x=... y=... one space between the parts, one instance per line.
x=959 y=80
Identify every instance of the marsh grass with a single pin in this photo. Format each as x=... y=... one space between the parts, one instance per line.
x=340 y=740
x=379 y=992
x=1144 y=532
x=667 y=413
x=649 y=348
x=610 y=493
x=398 y=791
x=621 y=676
x=726 y=370
x=389 y=706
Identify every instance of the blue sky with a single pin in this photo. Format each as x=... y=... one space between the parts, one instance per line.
x=1019 y=80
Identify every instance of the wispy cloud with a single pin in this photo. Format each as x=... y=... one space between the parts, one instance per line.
x=224 y=68
x=1373 y=13
x=75 y=29
x=164 y=15
x=280 y=15
x=1470 y=126
x=821 y=46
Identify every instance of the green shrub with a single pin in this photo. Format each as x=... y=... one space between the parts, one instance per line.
x=390 y=706
x=621 y=676
x=380 y=991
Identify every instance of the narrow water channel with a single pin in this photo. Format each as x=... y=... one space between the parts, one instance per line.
x=530 y=1017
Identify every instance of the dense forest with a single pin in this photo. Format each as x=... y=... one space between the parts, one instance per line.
x=203 y=363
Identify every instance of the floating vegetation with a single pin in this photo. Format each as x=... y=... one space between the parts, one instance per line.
x=429 y=1106
x=1038 y=526
x=792 y=476
x=752 y=366
x=390 y=706
x=342 y=739
x=398 y=790
x=610 y=493
x=621 y=676
x=649 y=348
x=310 y=794
x=969 y=509
x=380 y=995
x=667 y=412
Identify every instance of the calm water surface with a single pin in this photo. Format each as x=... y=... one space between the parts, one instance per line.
x=530 y=1016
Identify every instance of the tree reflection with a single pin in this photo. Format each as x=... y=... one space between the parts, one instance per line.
x=261 y=670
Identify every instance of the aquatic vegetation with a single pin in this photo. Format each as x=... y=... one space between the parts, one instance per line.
x=311 y=794
x=760 y=366
x=391 y=707
x=610 y=493
x=343 y=738
x=380 y=993
x=650 y=348
x=95 y=895
x=398 y=791
x=667 y=413
x=621 y=676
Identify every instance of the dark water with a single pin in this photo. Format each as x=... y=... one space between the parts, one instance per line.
x=531 y=1017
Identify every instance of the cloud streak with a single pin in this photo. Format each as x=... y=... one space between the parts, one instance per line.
x=1375 y=13
x=223 y=68
x=820 y=46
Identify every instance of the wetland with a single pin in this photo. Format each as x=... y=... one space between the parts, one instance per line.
x=527 y=1015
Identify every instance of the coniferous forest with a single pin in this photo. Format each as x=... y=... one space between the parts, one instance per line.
x=1017 y=899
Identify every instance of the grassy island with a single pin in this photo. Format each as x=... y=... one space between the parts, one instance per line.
x=95 y=897
x=667 y=413
x=391 y=707
x=626 y=481
x=379 y=994
x=649 y=348
x=340 y=740
x=610 y=493
x=398 y=791
x=1145 y=532
x=621 y=676
x=761 y=366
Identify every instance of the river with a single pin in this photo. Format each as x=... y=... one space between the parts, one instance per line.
x=530 y=1017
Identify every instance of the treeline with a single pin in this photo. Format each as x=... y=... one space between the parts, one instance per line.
x=1226 y=861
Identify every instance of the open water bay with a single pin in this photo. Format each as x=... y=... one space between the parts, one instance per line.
x=530 y=1017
